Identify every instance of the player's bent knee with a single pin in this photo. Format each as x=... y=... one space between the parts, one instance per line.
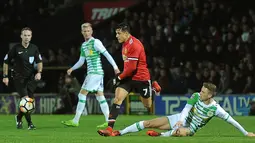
x=84 y=92
x=147 y=105
x=117 y=100
x=120 y=95
x=147 y=124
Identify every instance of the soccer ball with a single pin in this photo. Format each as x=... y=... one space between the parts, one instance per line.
x=27 y=105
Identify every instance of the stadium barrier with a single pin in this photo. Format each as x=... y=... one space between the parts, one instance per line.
x=48 y=103
x=235 y=105
x=45 y=103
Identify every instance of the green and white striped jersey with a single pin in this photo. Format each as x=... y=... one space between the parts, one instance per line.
x=91 y=50
x=200 y=114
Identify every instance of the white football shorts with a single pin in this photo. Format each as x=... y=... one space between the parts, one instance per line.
x=93 y=83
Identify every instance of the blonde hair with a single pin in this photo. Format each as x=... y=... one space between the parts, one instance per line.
x=211 y=87
x=85 y=25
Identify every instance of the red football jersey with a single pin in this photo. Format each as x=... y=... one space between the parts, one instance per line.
x=133 y=50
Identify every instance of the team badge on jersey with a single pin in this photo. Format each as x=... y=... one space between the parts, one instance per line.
x=31 y=59
x=124 y=58
x=90 y=52
x=210 y=113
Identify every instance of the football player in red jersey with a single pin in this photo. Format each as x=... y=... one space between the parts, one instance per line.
x=135 y=76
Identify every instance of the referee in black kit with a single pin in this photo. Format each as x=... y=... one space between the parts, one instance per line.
x=23 y=56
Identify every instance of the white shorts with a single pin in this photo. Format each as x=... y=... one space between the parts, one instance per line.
x=93 y=83
x=173 y=119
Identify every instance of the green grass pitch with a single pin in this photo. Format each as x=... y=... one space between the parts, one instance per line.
x=50 y=130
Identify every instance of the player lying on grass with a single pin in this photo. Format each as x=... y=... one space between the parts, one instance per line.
x=199 y=110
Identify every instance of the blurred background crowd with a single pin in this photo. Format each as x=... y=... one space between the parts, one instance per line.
x=187 y=42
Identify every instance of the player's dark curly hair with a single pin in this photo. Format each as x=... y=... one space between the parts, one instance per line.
x=123 y=27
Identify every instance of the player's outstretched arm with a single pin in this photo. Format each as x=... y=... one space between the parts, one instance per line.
x=77 y=65
x=221 y=113
x=100 y=47
x=111 y=61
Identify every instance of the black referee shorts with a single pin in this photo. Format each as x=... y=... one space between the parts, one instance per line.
x=25 y=86
x=141 y=87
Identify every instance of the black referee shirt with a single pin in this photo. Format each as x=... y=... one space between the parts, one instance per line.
x=23 y=59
